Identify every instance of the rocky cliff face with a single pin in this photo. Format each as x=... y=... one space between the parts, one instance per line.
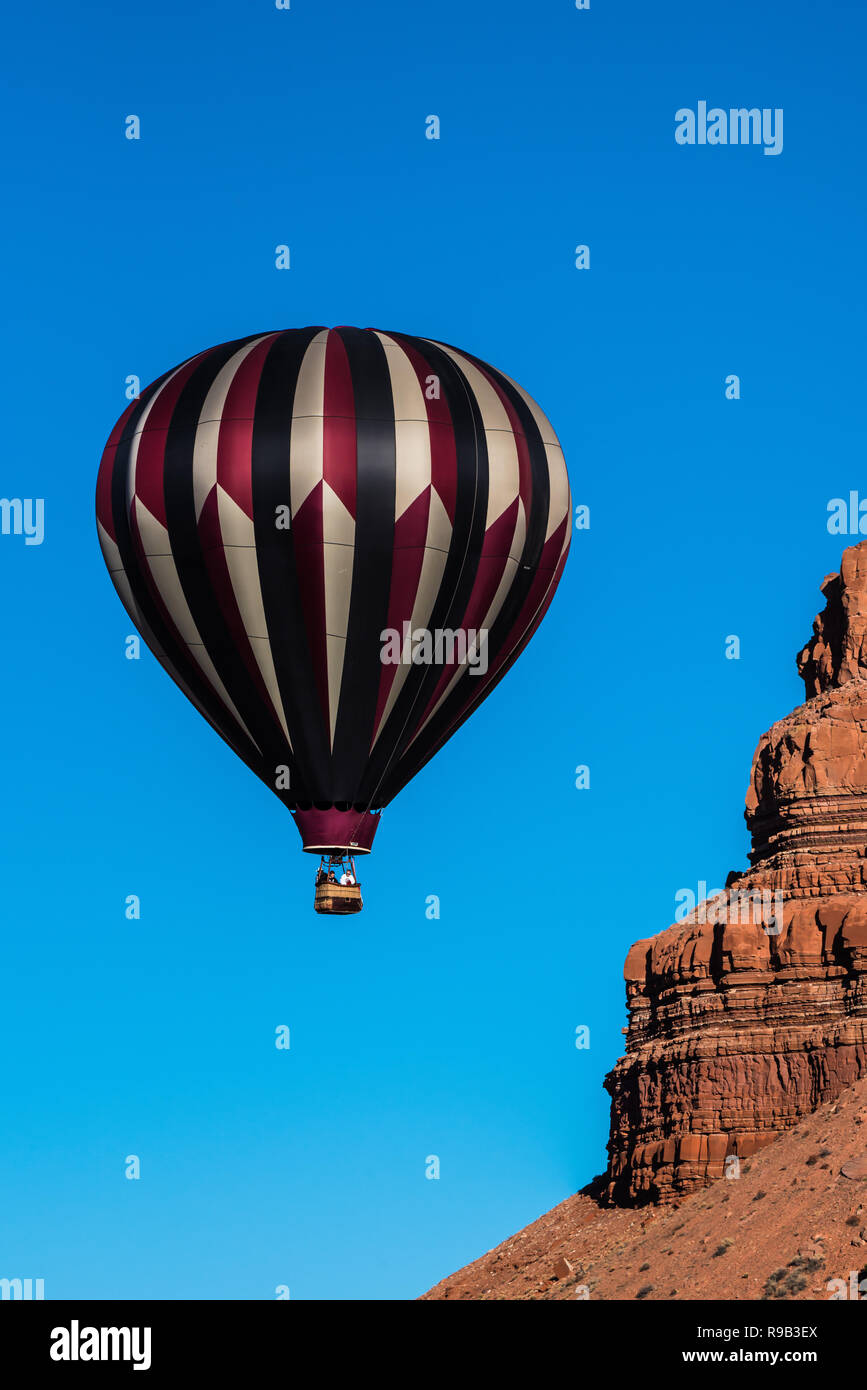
x=752 y=1012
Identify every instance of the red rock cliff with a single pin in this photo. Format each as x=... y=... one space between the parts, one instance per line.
x=753 y=1011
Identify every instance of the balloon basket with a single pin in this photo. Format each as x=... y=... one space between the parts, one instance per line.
x=333 y=896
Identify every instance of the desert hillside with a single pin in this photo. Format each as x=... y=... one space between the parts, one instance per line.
x=795 y=1219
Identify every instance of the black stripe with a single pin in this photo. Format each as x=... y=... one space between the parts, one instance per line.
x=372 y=559
x=461 y=568
x=278 y=573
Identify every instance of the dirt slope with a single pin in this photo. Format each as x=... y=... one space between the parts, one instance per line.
x=791 y=1222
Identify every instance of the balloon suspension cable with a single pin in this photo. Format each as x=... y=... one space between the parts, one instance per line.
x=337 y=868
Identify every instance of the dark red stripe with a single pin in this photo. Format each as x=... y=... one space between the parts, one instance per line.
x=444 y=462
x=491 y=568
x=410 y=533
x=152 y=442
x=310 y=569
x=541 y=593
x=235 y=443
x=103 y=490
x=340 y=465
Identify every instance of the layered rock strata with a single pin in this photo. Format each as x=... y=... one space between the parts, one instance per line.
x=751 y=1012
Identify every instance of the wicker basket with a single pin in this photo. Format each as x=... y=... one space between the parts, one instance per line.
x=338 y=897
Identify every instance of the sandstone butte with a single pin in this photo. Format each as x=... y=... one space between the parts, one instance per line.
x=751 y=1014
x=741 y=1023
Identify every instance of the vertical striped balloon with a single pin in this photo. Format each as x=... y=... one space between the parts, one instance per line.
x=271 y=507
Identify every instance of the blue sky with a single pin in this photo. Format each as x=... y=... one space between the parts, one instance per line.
x=409 y=1037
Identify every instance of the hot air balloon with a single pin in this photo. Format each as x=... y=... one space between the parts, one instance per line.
x=336 y=542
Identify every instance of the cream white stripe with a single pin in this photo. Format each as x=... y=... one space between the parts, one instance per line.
x=161 y=564
x=503 y=467
x=208 y=428
x=306 y=456
x=413 y=477
x=338 y=553
x=239 y=547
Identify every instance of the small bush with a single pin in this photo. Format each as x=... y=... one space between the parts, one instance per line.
x=793 y=1278
x=774 y=1285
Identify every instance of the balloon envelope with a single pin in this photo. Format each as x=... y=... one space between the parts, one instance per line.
x=336 y=542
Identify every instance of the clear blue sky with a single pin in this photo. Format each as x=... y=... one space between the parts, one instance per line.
x=708 y=518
